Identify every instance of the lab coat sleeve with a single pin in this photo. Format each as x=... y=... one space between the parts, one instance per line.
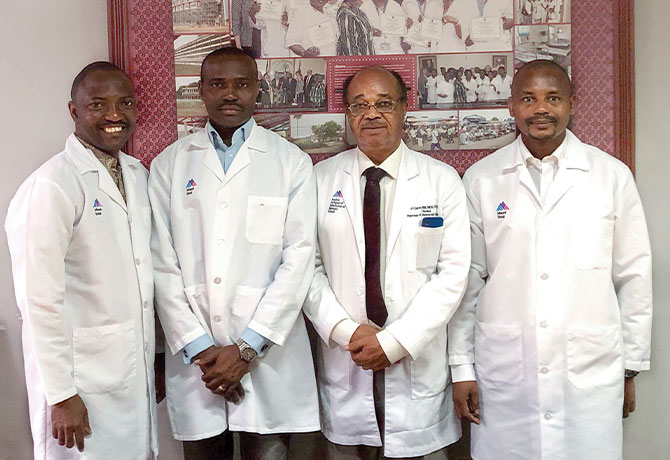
x=39 y=227
x=321 y=305
x=281 y=304
x=180 y=324
x=462 y=326
x=631 y=274
x=437 y=300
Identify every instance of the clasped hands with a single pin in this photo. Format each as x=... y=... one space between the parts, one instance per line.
x=222 y=369
x=365 y=349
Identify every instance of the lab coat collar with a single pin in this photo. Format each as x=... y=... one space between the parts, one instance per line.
x=570 y=170
x=86 y=162
x=257 y=141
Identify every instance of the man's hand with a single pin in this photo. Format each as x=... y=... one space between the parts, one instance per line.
x=159 y=372
x=628 y=396
x=368 y=353
x=233 y=394
x=312 y=52
x=466 y=400
x=376 y=32
x=221 y=367
x=69 y=422
x=361 y=331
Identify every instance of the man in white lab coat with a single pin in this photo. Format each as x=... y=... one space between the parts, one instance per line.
x=391 y=267
x=502 y=85
x=233 y=246
x=557 y=315
x=78 y=230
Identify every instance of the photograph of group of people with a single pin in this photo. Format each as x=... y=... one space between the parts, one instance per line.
x=456 y=80
x=542 y=11
x=311 y=28
x=292 y=84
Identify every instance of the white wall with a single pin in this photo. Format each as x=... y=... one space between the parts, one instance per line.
x=646 y=432
x=44 y=44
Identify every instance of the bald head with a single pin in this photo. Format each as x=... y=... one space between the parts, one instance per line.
x=541 y=68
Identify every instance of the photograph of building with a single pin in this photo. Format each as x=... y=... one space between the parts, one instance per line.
x=318 y=133
x=543 y=42
x=485 y=129
x=190 y=50
x=200 y=16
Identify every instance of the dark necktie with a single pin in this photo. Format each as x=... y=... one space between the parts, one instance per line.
x=374 y=300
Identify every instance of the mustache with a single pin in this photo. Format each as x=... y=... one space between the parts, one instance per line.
x=228 y=104
x=541 y=119
x=373 y=125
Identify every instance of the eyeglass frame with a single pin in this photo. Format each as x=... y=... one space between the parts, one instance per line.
x=394 y=103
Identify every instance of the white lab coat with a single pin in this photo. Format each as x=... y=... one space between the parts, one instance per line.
x=425 y=280
x=558 y=304
x=236 y=251
x=84 y=285
x=383 y=44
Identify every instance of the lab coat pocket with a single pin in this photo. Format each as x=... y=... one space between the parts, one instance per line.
x=104 y=357
x=594 y=356
x=498 y=353
x=334 y=367
x=265 y=219
x=591 y=243
x=428 y=243
x=429 y=370
x=243 y=307
x=198 y=300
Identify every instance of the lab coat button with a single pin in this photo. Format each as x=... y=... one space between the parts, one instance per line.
x=217 y=280
x=544 y=276
x=220 y=242
x=547 y=416
x=217 y=319
x=137 y=261
x=359 y=291
x=145 y=304
x=223 y=205
x=544 y=370
x=543 y=324
x=146 y=346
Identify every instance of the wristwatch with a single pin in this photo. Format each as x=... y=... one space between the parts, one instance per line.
x=247 y=352
x=630 y=374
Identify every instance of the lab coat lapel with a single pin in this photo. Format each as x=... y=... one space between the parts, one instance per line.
x=522 y=170
x=405 y=192
x=351 y=193
x=257 y=141
x=86 y=162
x=128 y=167
x=575 y=165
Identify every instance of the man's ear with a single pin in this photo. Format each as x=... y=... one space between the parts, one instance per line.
x=73 y=111
x=510 y=106
x=200 y=88
x=573 y=103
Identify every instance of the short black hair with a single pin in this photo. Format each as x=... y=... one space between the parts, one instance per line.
x=402 y=86
x=228 y=51
x=86 y=71
x=543 y=64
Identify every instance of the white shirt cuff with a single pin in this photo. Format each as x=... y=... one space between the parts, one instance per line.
x=342 y=332
x=392 y=348
x=462 y=372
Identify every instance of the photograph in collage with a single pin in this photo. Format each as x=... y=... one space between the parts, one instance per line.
x=542 y=11
x=292 y=85
x=463 y=80
x=321 y=28
x=190 y=50
x=200 y=17
x=275 y=122
x=485 y=129
x=543 y=42
x=432 y=131
x=189 y=103
x=318 y=133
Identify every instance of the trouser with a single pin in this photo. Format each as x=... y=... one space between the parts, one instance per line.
x=360 y=452
x=252 y=447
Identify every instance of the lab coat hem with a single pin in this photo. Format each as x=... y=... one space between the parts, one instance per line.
x=277 y=339
x=198 y=437
x=59 y=397
x=635 y=365
x=185 y=340
x=360 y=440
x=278 y=430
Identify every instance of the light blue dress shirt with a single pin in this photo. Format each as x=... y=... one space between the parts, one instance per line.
x=226 y=156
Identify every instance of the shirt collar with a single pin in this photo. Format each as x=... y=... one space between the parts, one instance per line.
x=557 y=156
x=391 y=165
x=108 y=160
x=240 y=135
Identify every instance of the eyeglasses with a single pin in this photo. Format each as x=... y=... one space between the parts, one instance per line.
x=383 y=106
